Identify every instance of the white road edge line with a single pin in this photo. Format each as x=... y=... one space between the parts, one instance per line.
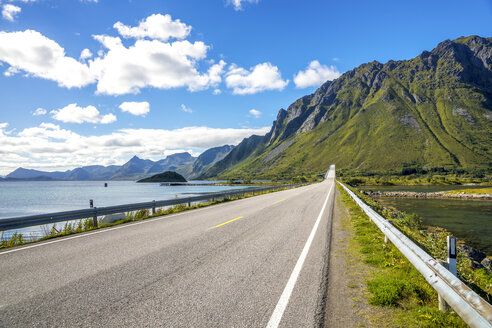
x=116 y=228
x=285 y=297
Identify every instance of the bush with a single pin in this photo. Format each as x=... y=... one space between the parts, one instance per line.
x=355 y=181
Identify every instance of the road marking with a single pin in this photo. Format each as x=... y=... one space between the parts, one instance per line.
x=85 y=234
x=220 y=225
x=284 y=298
x=132 y=224
x=279 y=201
x=298 y=194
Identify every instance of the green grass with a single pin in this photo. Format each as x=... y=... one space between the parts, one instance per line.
x=393 y=281
x=479 y=191
x=433 y=241
x=415 y=180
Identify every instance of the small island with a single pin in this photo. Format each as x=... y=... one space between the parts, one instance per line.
x=167 y=176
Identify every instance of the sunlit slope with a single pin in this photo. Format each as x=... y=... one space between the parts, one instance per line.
x=434 y=111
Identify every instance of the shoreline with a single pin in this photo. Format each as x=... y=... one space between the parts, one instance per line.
x=431 y=195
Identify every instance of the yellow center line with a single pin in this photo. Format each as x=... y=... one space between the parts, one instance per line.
x=279 y=201
x=298 y=194
x=220 y=225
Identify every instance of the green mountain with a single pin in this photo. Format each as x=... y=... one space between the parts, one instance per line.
x=432 y=112
x=167 y=176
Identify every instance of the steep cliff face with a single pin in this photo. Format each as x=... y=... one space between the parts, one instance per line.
x=432 y=111
x=207 y=159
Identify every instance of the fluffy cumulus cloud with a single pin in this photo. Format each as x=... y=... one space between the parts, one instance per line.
x=152 y=63
x=158 y=57
x=42 y=146
x=31 y=52
x=262 y=77
x=135 y=108
x=85 y=54
x=9 y=11
x=255 y=113
x=75 y=114
x=157 y=26
x=238 y=4
x=315 y=75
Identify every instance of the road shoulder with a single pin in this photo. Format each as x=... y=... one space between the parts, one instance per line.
x=346 y=304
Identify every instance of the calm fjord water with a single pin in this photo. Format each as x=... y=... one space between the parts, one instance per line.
x=38 y=197
x=469 y=220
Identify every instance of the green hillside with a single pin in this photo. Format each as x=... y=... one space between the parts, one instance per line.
x=432 y=112
x=167 y=176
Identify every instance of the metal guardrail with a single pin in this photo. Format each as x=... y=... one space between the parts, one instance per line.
x=473 y=309
x=40 y=219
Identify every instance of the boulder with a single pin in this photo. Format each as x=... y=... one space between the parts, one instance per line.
x=472 y=253
x=487 y=263
x=107 y=219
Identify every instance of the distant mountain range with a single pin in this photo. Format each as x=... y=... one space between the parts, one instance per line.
x=136 y=168
x=430 y=113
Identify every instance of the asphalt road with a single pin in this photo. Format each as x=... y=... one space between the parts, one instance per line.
x=255 y=262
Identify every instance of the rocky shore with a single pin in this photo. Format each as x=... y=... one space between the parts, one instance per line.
x=439 y=194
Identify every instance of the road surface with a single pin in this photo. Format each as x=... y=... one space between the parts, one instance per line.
x=255 y=262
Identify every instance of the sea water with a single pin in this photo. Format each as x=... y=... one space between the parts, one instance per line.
x=22 y=198
x=469 y=220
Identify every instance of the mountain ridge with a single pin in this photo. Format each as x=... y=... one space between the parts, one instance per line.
x=136 y=168
x=434 y=110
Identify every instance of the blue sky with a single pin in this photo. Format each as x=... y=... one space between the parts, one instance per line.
x=158 y=77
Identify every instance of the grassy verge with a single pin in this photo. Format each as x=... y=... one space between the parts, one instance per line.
x=394 y=282
x=477 y=191
x=415 y=180
x=433 y=241
x=78 y=226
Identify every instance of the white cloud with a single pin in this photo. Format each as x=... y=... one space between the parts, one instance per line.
x=124 y=69
x=186 y=109
x=118 y=70
x=50 y=147
x=85 y=54
x=238 y=4
x=47 y=131
x=40 y=111
x=10 y=11
x=76 y=114
x=157 y=26
x=315 y=75
x=35 y=54
x=262 y=77
x=217 y=91
x=152 y=64
x=255 y=113
x=135 y=108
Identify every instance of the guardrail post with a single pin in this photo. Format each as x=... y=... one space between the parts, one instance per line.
x=451 y=241
x=451 y=266
x=386 y=239
x=94 y=218
x=153 y=207
x=443 y=306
